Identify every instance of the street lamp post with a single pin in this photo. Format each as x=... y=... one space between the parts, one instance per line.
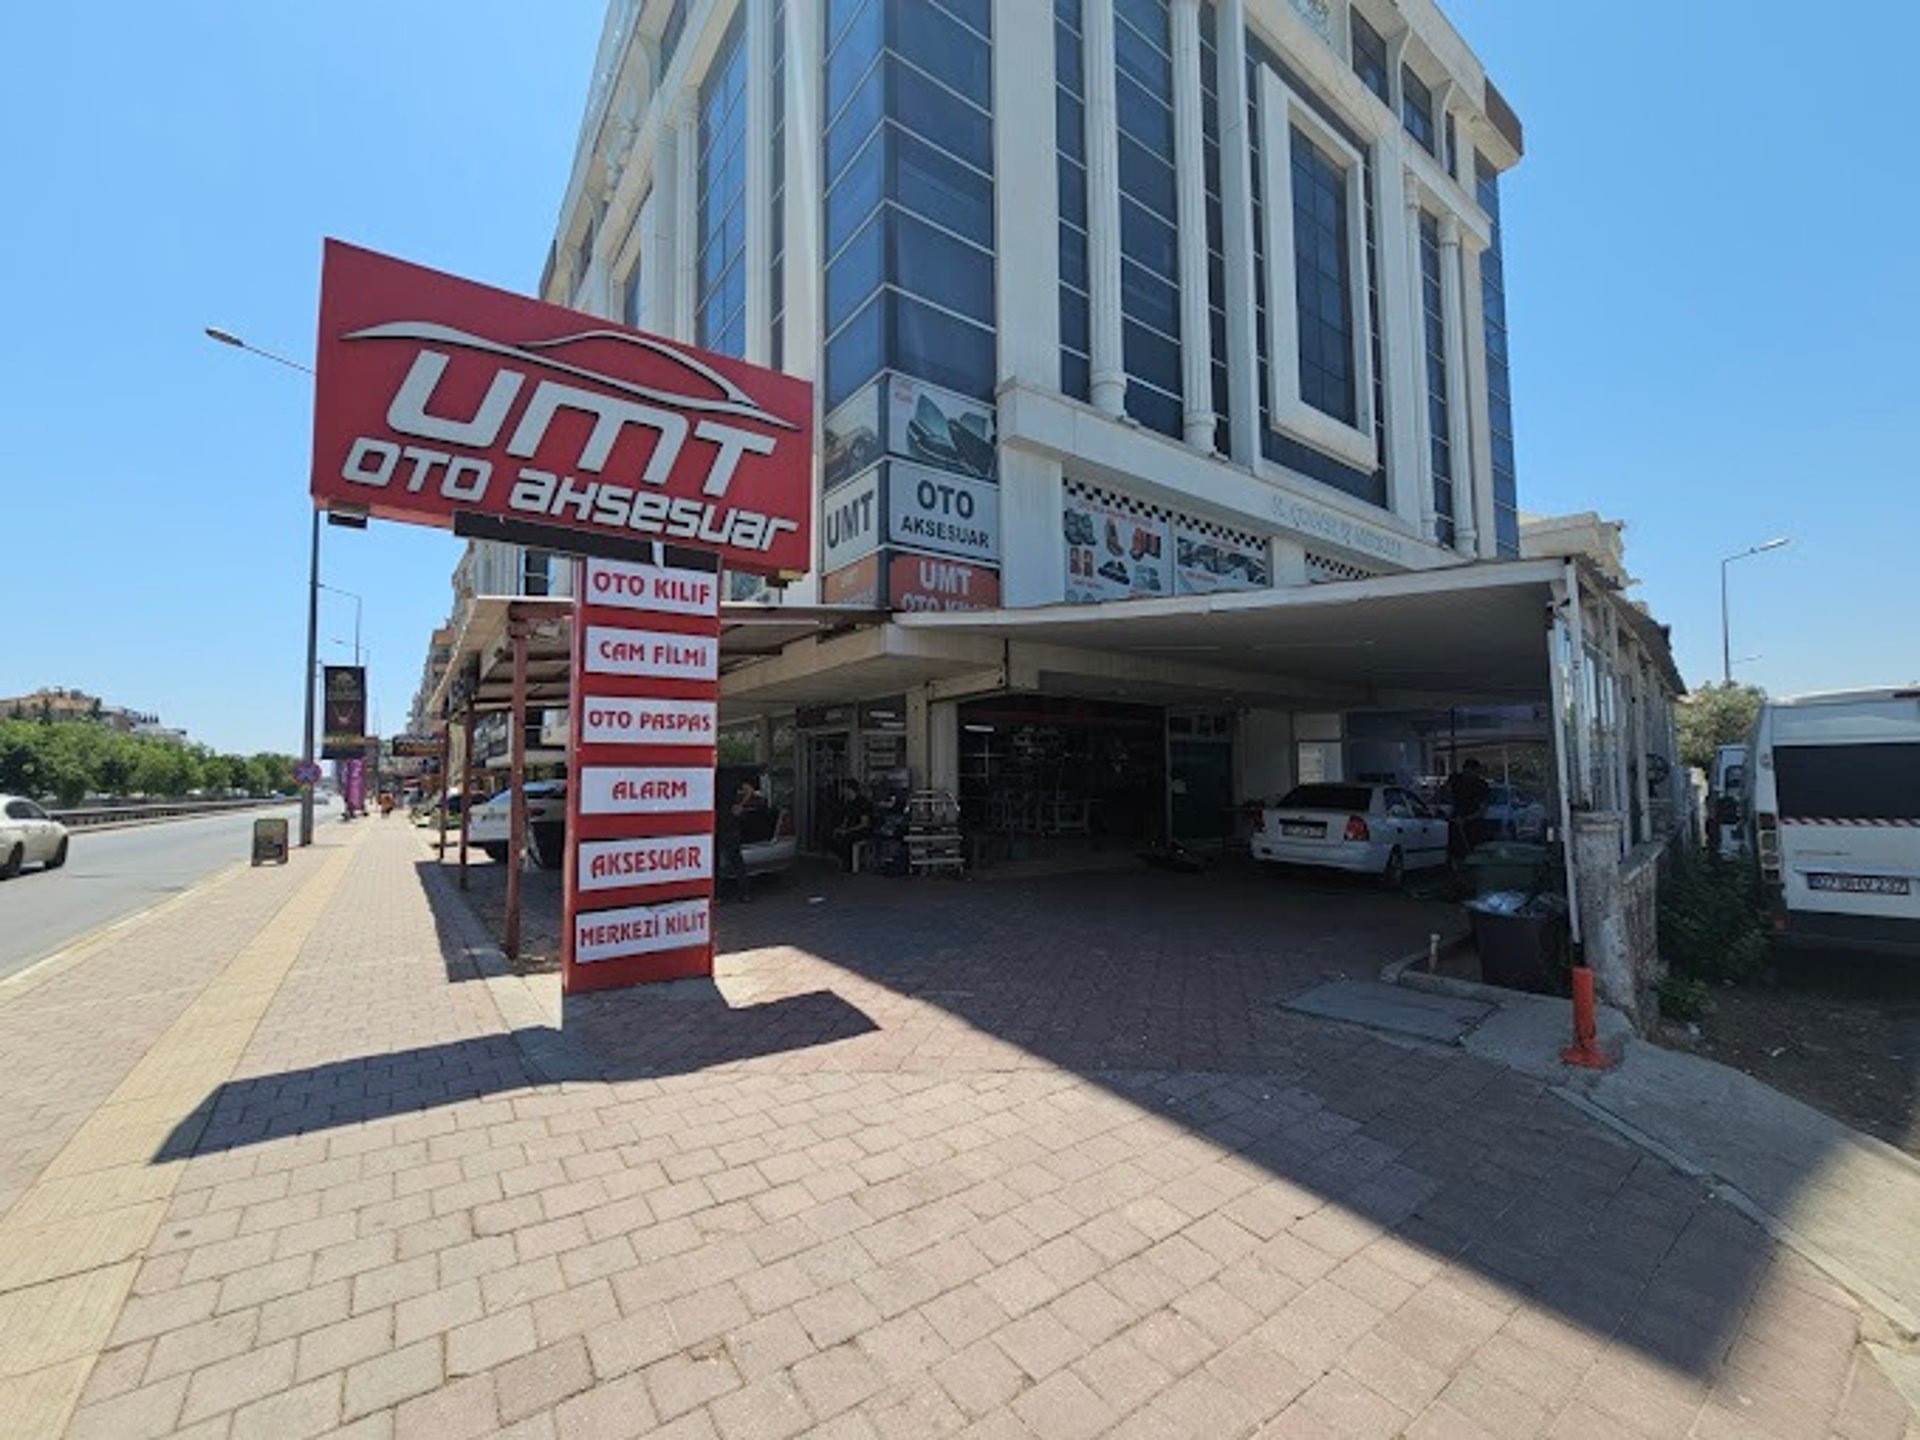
x=1726 y=633
x=348 y=594
x=227 y=337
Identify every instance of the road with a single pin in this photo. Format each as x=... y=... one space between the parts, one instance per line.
x=114 y=873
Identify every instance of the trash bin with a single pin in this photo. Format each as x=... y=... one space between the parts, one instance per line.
x=1520 y=938
x=1510 y=865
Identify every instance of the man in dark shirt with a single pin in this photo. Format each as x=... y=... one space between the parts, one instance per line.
x=1469 y=793
x=856 y=822
x=740 y=823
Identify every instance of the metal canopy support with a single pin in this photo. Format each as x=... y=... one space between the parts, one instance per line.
x=516 y=786
x=466 y=785
x=1558 y=676
x=446 y=773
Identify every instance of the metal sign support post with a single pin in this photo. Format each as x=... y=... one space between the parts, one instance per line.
x=516 y=787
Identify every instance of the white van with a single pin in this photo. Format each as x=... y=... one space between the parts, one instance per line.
x=1836 y=809
x=1727 y=801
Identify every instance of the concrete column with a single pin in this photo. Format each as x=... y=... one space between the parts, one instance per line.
x=1603 y=919
x=760 y=109
x=804 y=201
x=1466 y=531
x=1033 y=550
x=686 y=217
x=1289 y=559
x=1108 y=364
x=919 y=752
x=661 y=232
x=1026 y=193
x=1417 y=363
x=943 y=746
x=1236 y=205
x=1189 y=167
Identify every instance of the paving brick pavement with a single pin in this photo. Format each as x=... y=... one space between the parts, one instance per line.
x=995 y=1161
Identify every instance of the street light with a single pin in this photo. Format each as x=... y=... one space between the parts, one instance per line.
x=336 y=590
x=227 y=337
x=1726 y=640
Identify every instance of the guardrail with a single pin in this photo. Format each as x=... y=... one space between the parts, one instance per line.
x=99 y=817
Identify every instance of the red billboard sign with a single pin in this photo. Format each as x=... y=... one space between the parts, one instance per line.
x=436 y=395
x=929 y=582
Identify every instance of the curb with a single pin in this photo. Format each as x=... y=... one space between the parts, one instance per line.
x=1402 y=972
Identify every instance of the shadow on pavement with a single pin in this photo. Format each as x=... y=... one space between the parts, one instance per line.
x=1161 y=989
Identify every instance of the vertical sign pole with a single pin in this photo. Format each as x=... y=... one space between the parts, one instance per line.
x=517 y=788
x=466 y=789
x=446 y=760
x=646 y=688
x=570 y=872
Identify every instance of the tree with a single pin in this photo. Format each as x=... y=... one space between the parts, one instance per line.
x=1716 y=715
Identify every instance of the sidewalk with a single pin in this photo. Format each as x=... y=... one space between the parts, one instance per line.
x=296 y=1157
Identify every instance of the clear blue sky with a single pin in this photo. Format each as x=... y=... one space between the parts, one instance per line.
x=1712 y=287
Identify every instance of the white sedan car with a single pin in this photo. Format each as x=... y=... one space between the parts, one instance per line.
x=29 y=836
x=488 y=826
x=1370 y=829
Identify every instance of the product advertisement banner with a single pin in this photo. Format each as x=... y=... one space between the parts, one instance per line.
x=1115 y=550
x=938 y=427
x=435 y=395
x=1208 y=560
x=343 y=712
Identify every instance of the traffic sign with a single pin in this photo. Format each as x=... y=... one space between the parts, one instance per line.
x=307 y=773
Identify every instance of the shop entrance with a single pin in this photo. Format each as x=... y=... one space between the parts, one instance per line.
x=828 y=763
x=1200 y=771
x=1042 y=775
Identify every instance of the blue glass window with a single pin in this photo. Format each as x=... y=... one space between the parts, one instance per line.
x=1493 y=296
x=777 y=199
x=1369 y=56
x=1216 y=227
x=1416 y=108
x=1323 y=298
x=1434 y=328
x=1070 y=141
x=1149 y=214
x=720 y=301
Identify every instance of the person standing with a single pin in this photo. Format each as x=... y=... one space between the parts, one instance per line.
x=856 y=822
x=1469 y=795
x=730 y=832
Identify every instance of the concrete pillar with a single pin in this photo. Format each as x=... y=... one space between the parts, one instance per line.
x=1026 y=193
x=1459 y=445
x=1196 y=333
x=686 y=218
x=1236 y=206
x=760 y=109
x=1033 y=551
x=943 y=746
x=662 y=232
x=804 y=200
x=919 y=752
x=1603 y=919
x=1108 y=363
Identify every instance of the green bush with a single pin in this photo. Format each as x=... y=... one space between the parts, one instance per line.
x=1710 y=922
x=1682 y=998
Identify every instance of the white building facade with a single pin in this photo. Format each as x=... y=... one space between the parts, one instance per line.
x=1217 y=276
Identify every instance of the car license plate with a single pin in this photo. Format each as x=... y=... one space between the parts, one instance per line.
x=1860 y=884
x=1302 y=827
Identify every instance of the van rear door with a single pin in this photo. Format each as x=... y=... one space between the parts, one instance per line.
x=1850 y=827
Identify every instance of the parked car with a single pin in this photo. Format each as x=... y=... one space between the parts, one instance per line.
x=1515 y=815
x=1370 y=829
x=29 y=836
x=487 y=827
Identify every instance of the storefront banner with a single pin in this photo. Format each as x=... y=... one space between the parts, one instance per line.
x=850 y=521
x=648 y=860
x=929 y=510
x=656 y=589
x=855 y=584
x=1206 y=563
x=344 y=711
x=353 y=783
x=851 y=437
x=938 y=427
x=645 y=789
x=1114 y=553
x=435 y=396
x=652 y=654
x=931 y=583
x=645 y=720
x=415 y=747
x=640 y=930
